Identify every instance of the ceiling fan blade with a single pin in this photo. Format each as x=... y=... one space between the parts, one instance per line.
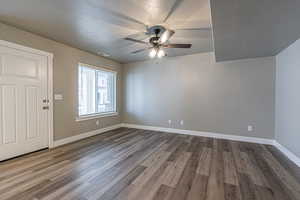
x=117 y=18
x=139 y=36
x=166 y=36
x=184 y=46
x=134 y=40
x=140 y=50
x=126 y=18
x=176 y=4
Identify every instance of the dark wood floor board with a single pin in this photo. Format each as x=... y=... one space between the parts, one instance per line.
x=27 y=160
x=215 y=187
x=54 y=186
x=263 y=193
x=230 y=172
x=232 y=192
x=25 y=183
x=133 y=164
x=184 y=145
x=286 y=178
x=30 y=193
x=285 y=162
x=23 y=167
x=174 y=142
x=253 y=171
x=240 y=163
x=198 y=188
x=204 y=162
x=105 y=171
x=194 y=144
x=208 y=142
x=147 y=190
x=111 y=176
x=120 y=185
x=277 y=187
x=164 y=192
x=247 y=187
x=225 y=145
x=185 y=182
x=32 y=177
x=175 y=169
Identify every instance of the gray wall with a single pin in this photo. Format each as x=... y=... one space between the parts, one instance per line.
x=218 y=97
x=65 y=80
x=287 y=131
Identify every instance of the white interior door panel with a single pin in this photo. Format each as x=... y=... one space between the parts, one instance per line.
x=23 y=94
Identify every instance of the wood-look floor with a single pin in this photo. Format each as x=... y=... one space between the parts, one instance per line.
x=131 y=164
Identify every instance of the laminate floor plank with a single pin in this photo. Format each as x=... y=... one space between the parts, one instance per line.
x=134 y=164
x=164 y=192
x=215 y=187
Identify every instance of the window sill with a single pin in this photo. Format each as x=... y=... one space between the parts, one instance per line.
x=95 y=116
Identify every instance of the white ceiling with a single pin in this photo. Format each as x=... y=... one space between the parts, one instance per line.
x=100 y=25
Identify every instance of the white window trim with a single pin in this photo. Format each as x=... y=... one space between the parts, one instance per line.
x=97 y=68
x=96 y=115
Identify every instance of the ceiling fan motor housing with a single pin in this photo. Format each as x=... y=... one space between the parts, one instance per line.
x=156 y=30
x=159 y=40
x=154 y=41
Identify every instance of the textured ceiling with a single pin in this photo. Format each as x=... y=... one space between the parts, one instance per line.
x=99 y=25
x=253 y=28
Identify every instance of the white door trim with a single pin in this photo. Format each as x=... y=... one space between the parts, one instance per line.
x=50 y=80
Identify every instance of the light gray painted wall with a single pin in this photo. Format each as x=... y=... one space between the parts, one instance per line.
x=217 y=97
x=287 y=131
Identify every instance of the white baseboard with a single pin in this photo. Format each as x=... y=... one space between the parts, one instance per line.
x=203 y=134
x=85 y=135
x=287 y=153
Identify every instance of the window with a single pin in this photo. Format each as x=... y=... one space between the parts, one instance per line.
x=97 y=91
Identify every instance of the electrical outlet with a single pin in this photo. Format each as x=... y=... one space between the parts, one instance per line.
x=181 y=122
x=97 y=122
x=250 y=128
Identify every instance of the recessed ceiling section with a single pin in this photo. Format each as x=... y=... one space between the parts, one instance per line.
x=253 y=28
x=100 y=26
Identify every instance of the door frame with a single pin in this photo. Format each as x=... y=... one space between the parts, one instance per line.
x=49 y=81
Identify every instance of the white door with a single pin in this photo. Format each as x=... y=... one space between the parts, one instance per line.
x=23 y=97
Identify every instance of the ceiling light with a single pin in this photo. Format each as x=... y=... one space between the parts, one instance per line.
x=160 y=53
x=152 y=53
x=165 y=36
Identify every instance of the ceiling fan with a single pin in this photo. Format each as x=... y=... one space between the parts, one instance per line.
x=159 y=40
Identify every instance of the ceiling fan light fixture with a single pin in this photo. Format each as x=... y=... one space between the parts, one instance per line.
x=153 y=53
x=160 y=53
x=164 y=38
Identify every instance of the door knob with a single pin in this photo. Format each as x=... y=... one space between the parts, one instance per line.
x=45 y=107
